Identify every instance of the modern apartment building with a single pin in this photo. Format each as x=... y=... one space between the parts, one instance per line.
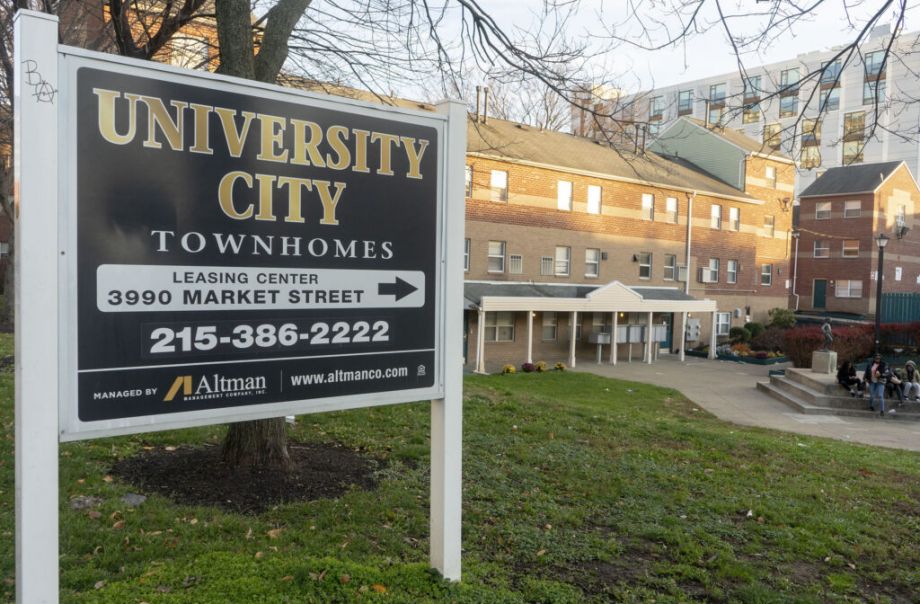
x=823 y=108
x=563 y=231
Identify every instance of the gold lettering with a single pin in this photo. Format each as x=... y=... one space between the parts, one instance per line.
x=271 y=136
x=295 y=207
x=266 y=185
x=360 y=150
x=107 y=116
x=414 y=155
x=225 y=195
x=158 y=116
x=304 y=146
x=334 y=135
x=202 y=113
x=329 y=201
x=386 y=143
x=235 y=138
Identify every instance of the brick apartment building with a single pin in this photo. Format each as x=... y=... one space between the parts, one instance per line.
x=841 y=216
x=556 y=223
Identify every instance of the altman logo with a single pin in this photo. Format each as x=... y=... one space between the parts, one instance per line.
x=214 y=386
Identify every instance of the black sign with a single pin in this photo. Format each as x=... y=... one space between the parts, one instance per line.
x=235 y=249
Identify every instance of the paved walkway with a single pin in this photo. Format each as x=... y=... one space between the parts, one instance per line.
x=728 y=391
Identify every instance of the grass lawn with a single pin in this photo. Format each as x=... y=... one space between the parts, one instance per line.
x=576 y=489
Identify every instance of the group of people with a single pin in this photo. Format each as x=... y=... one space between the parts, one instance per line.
x=879 y=381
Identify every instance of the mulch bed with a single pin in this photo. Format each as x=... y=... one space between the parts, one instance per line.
x=198 y=476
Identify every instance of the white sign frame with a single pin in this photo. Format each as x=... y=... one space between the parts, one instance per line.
x=45 y=353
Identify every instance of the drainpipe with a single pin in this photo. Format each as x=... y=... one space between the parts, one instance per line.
x=795 y=267
x=683 y=326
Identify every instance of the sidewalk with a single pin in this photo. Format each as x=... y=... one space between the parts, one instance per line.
x=728 y=390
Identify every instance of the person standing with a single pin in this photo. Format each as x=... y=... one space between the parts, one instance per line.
x=876 y=378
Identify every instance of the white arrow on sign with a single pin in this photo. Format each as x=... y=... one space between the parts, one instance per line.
x=147 y=288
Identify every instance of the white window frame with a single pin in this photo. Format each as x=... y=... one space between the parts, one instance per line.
x=645 y=266
x=823 y=210
x=648 y=207
x=822 y=249
x=515 y=264
x=852 y=208
x=734 y=219
x=469 y=181
x=847 y=252
x=723 y=323
x=595 y=194
x=844 y=288
x=766 y=270
x=491 y=256
x=715 y=217
x=670 y=267
x=564 y=195
x=770 y=175
x=496 y=321
x=466 y=255
x=595 y=263
x=551 y=323
x=498 y=186
x=713 y=268
x=731 y=271
x=671 y=209
x=769 y=226
x=563 y=266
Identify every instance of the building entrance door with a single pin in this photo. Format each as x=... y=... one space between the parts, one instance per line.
x=819 y=294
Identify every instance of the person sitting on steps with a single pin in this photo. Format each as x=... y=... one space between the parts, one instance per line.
x=846 y=377
x=911 y=382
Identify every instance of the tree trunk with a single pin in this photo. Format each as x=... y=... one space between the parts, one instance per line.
x=260 y=443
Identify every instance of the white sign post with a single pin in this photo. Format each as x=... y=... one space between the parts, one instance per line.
x=199 y=278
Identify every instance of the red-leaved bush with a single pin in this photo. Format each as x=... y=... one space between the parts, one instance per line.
x=850 y=343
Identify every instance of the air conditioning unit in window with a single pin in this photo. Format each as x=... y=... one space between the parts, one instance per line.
x=682 y=273
x=705 y=275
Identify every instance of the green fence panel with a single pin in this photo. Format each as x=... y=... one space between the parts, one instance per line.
x=900 y=307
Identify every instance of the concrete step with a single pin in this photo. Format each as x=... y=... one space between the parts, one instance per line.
x=825 y=384
x=908 y=412
x=815 y=397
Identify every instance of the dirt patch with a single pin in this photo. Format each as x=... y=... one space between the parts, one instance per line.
x=198 y=476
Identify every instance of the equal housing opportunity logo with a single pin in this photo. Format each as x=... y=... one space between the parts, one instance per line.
x=190 y=388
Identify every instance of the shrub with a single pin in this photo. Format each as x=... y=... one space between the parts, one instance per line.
x=528 y=367
x=850 y=343
x=741 y=349
x=560 y=366
x=770 y=340
x=781 y=317
x=739 y=334
x=755 y=328
x=763 y=355
x=540 y=366
x=509 y=369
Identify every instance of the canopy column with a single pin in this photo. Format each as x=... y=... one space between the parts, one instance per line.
x=613 y=340
x=712 y=337
x=683 y=335
x=572 y=338
x=649 y=336
x=530 y=336
x=480 y=342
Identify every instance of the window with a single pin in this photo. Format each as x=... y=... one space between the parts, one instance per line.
x=563 y=260
x=469 y=181
x=829 y=100
x=466 y=255
x=653 y=129
x=848 y=288
x=550 y=326
x=771 y=136
x=656 y=107
x=731 y=271
x=811 y=132
x=547 y=265
x=499 y=326
x=854 y=126
x=599 y=322
x=823 y=210
x=592 y=262
x=564 y=195
x=751 y=114
x=830 y=73
x=645 y=265
x=853 y=152
x=716 y=103
x=594 y=199
x=851 y=248
x=874 y=92
x=515 y=264
x=873 y=63
x=648 y=206
x=685 y=102
x=789 y=81
x=670 y=206
x=852 y=209
x=711 y=272
x=766 y=275
x=900 y=219
x=670 y=267
x=496 y=256
x=498 y=183
x=723 y=323
x=752 y=89
x=788 y=106
x=734 y=219
x=811 y=158
x=769 y=226
x=770 y=174
x=715 y=215
x=822 y=249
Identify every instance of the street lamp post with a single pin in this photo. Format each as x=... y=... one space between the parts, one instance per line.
x=881 y=241
x=795 y=267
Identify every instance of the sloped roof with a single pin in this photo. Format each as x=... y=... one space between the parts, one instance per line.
x=857 y=178
x=473 y=291
x=661 y=293
x=745 y=142
x=508 y=140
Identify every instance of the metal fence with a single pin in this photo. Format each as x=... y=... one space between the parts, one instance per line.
x=900 y=307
